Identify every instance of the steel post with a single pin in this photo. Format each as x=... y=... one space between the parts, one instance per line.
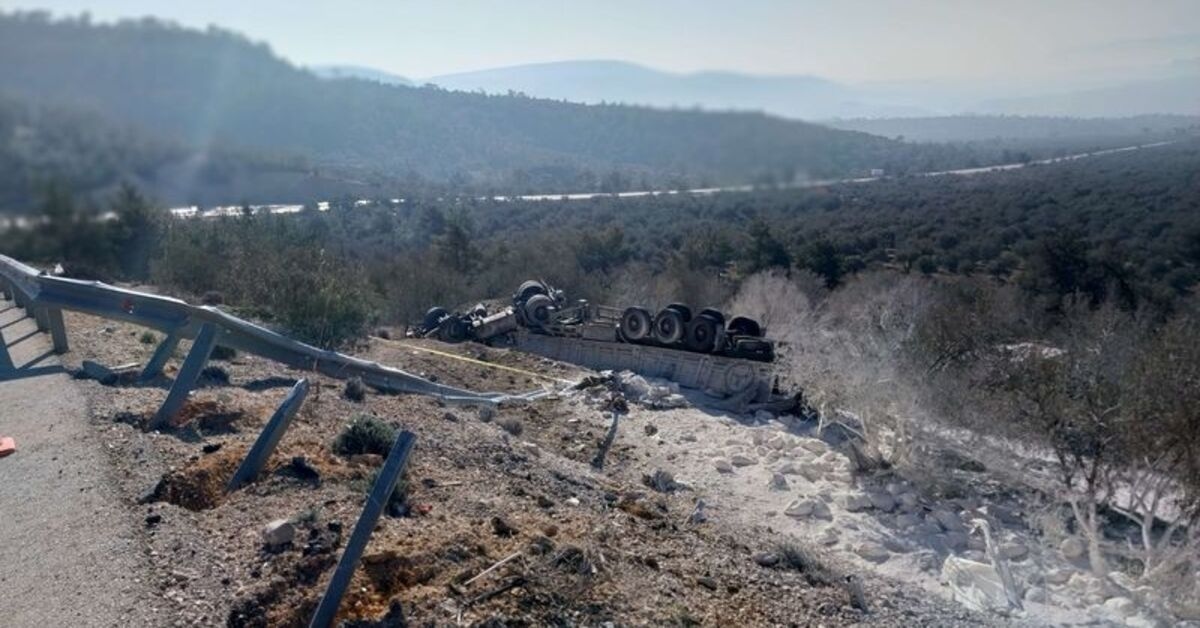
x=202 y=346
x=269 y=438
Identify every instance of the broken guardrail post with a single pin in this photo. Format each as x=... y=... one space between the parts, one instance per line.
x=165 y=350
x=376 y=500
x=202 y=346
x=58 y=329
x=269 y=438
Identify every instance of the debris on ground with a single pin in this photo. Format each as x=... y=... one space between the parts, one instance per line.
x=8 y=446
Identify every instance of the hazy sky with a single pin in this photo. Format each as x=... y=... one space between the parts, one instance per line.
x=850 y=40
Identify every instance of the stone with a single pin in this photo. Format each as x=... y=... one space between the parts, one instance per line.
x=855 y=502
x=821 y=511
x=814 y=445
x=828 y=537
x=907 y=521
x=908 y=502
x=1072 y=548
x=153 y=520
x=948 y=520
x=974 y=584
x=742 y=460
x=278 y=534
x=800 y=508
x=882 y=501
x=872 y=552
x=778 y=482
x=98 y=372
x=1120 y=606
x=502 y=527
x=1013 y=551
x=778 y=442
x=572 y=501
x=766 y=559
x=762 y=416
x=723 y=465
x=956 y=541
x=1058 y=576
x=1036 y=594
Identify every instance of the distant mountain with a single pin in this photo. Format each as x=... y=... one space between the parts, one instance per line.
x=214 y=87
x=802 y=97
x=1172 y=95
x=980 y=128
x=359 y=72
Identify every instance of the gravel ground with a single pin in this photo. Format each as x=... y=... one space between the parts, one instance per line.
x=71 y=553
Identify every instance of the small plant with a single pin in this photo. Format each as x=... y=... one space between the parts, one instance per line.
x=365 y=435
x=147 y=338
x=214 y=375
x=796 y=558
x=397 y=504
x=220 y=352
x=355 y=389
x=511 y=425
x=383 y=332
x=213 y=297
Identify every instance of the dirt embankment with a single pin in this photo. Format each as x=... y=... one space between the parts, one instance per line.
x=514 y=487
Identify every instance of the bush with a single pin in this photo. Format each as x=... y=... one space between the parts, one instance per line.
x=365 y=435
x=511 y=425
x=796 y=558
x=213 y=297
x=221 y=352
x=147 y=338
x=355 y=389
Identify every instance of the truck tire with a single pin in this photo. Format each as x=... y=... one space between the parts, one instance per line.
x=716 y=315
x=635 y=324
x=454 y=330
x=433 y=318
x=685 y=312
x=702 y=334
x=530 y=288
x=742 y=326
x=537 y=310
x=669 y=326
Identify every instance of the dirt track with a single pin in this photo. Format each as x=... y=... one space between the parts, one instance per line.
x=70 y=553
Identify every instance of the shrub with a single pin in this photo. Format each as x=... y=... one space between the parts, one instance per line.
x=796 y=558
x=355 y=389
x=221 y=352
x=147 y=338
x=365 y=435
x=511 y=425
x=213 y=297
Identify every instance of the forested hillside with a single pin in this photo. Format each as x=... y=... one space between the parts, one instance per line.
x=1076 y=132
x=217 y=88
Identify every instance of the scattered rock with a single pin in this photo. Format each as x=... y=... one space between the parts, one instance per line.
x=1036 y=594
x=1072 y=548
x=707 y=582
x=278 y=534
x=778 y=482
x=800 y=508
x=948 y=520
x=882 y=501
x=1013 y=551
x=908 y=502
x=211 y=448
x=153 y=520
x=96 y=371
x=956 y=541
x=1120 y=606
x=1058 y=576
x=572 y=501
x=766 y=559
x=650 y=429
x=502 y=527
x=661 y=481
x=742 y=460
x=723 y=465
x=907 y=521
x=975 y=585
x=873 y=552
x=828 y=537
x=762 y=416
x=451 y=417
x=698 y=516
x=855 y=502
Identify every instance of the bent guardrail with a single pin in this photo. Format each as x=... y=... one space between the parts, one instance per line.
x=45 y=297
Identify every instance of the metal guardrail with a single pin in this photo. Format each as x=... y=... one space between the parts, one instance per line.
x=45 y=297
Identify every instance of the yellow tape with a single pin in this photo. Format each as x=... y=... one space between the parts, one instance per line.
x=464 y=358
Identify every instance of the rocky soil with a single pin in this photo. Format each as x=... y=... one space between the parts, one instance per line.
x=583 y=541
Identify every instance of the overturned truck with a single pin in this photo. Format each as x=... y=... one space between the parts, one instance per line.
x=702 y=350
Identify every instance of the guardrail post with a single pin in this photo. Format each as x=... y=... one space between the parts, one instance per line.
x=202 y=346
x=58 y=329
x=269 y=438
x=165 y=350
x=380 y=493
x=41 y=318
x=5 y=291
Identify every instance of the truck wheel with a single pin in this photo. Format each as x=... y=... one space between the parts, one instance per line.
x=537 y=310
x=702 y=334
x=742 y=326
x=635 y=324
x=530 y=288
x=433 y=317
x=716 y=315
x=669 y=326
x=454 y=330
x=685 y=312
